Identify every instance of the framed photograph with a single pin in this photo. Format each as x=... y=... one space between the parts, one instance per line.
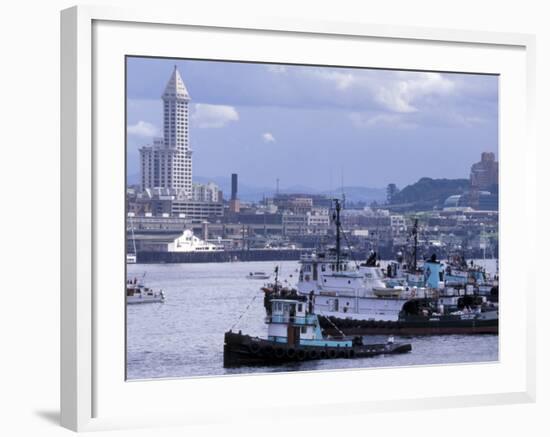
x=256 y=210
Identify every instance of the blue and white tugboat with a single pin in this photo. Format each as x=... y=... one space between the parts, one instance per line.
x=294 y=334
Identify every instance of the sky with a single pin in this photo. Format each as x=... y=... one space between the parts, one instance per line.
x=318 y=126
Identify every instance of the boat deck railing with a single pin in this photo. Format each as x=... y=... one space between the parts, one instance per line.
x=309 y=319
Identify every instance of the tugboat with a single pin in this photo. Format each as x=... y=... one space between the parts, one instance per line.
x=294 y=335
x=136 y=292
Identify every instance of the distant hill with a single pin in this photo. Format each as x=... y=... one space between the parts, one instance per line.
x=255 y=193
x=361 y=194
x=429 y=192
x=251 y=193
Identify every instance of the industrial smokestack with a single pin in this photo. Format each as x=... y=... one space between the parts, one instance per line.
x=234 y=185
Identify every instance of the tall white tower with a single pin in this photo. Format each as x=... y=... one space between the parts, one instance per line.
x=167 y=163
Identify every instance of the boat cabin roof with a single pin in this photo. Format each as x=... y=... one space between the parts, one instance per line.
x=287 y=300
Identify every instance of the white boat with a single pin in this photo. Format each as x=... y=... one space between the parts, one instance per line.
x=131 y=258
x=344 y=290
x=188 y=242
x=137 y=292
x=258 y=275
x=340 y=288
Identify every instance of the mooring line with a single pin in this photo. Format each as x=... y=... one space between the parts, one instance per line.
x=244 y=312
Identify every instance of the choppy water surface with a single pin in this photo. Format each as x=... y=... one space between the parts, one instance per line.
x=184 y=336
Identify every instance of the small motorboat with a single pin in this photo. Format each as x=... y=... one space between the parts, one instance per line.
x=258 y=275
x=137 y=292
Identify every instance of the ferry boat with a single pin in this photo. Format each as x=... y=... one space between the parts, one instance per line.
x=188 y=242
x=258 y=275
x=294 y=334
x=361 y=299
x=137 y=292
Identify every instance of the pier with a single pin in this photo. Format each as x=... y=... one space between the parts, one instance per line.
x=220 y=256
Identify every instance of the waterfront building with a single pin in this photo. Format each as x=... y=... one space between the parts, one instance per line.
x=197 y=210
x=484 y=174
x=209 y=192
x=318 y=223
x=295 y=204
x=478 y=200
x=167 y=162
x=294 y=224
x=398 y=224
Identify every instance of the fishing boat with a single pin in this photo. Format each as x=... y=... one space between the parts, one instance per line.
x=137 y=292
x=258 y=275
x=294 y=334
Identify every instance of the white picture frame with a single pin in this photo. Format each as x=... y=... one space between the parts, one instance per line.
x=91 y=387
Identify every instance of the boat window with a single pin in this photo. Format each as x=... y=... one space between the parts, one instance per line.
x=304 y=329
x=300 y=308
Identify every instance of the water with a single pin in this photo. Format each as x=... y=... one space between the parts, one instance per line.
x=183 y=337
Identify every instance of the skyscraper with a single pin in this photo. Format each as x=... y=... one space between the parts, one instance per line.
x=167 y=162
x=484 y=174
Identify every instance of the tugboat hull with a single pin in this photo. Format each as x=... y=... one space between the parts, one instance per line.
x=412 y=326
x=244 y=350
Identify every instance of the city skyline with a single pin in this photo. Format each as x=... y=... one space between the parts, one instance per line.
x=319 y=127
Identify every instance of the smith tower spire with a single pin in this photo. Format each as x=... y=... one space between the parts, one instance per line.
x=167 y=164
x=176 y=131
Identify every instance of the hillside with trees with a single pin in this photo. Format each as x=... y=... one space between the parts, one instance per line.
x=429 y=193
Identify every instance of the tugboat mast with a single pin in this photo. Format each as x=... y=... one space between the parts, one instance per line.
x=338 y=224
x=415 y=235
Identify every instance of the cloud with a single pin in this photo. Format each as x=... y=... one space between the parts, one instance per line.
x=401 y=93
x=395 y=91
x=268 y=137
x=213 y=116
x=340 y=79
x=396 y=121
x=143 y=129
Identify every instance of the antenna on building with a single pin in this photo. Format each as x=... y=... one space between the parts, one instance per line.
x=342 y=180
x=277 y=187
